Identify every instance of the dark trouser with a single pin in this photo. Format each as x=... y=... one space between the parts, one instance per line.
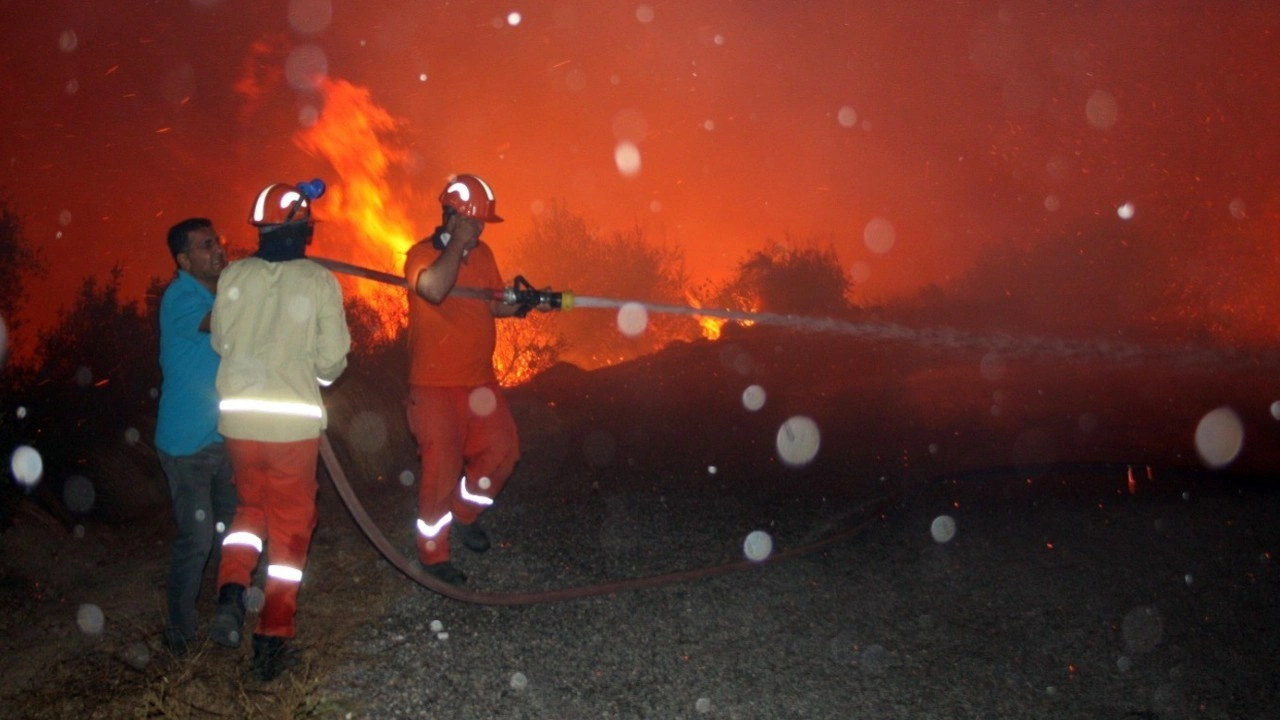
x=204 y=502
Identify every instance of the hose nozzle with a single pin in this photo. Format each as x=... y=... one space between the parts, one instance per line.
x=527 y=297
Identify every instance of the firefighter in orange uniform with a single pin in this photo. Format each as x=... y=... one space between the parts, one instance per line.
x=466 y=436
x=278 y=324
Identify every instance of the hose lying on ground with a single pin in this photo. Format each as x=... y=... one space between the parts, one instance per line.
x=415 y=572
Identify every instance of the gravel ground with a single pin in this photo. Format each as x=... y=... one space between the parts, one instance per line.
x=1066 y=591
x=1062 y=596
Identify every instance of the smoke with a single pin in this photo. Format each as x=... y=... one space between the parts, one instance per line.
x=1108 y=279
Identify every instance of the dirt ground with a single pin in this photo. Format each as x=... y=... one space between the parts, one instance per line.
x=657 y=465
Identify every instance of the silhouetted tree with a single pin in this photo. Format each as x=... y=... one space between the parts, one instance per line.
x=1097 y=280
x=92 y=390
x=19 y=262
x=785 y=279
x=1105 y=280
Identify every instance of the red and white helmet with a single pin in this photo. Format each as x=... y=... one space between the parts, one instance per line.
x=280 y=204
x=472 y=197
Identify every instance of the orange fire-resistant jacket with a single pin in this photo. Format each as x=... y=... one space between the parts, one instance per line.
x=451 y=344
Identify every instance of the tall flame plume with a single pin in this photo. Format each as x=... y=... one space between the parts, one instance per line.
x=368 y=227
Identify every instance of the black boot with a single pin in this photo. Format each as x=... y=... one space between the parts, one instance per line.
x=229 y=620
x=472 y=536
x=271 y=657
x=447 y=572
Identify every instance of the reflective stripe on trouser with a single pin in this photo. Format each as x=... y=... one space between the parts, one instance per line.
x=276 y=486
x=459 y=429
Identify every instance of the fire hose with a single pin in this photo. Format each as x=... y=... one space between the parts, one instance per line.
x=415 y=572
x=523 y=294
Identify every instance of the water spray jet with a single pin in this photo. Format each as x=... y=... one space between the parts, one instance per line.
x=522 y=293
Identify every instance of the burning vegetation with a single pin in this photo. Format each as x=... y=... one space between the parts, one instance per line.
x=1014 y=266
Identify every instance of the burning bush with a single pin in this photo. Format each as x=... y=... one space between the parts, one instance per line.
x=526 y=347
x=784 y=279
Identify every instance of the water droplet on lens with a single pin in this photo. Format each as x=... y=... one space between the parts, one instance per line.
x=482 y=401
x=758 y=546
x=1219 y=437
x=78 y=494
x=89 y=619
x=798 y=441
x=26 y=465
x=943 y=529
x=254 y=599
x=632 y=319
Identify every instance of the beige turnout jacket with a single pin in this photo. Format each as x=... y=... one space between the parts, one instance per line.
x=282 y=335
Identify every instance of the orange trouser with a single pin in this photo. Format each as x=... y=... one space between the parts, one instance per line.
x=459 y=430
x=276 y=486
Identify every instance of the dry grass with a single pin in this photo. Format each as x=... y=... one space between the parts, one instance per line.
x=125 y=671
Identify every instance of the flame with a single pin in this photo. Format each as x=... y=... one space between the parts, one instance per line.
x=367 y=226
x=710 y=326
x=366 y=220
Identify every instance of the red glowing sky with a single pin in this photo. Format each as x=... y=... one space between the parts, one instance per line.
x=959 y=123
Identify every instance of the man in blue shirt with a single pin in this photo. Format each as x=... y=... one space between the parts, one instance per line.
x=191 y=450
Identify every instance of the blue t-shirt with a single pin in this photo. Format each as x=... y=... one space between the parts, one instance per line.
x=188 y=417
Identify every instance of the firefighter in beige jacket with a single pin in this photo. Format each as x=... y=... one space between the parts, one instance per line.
x=278 y=324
